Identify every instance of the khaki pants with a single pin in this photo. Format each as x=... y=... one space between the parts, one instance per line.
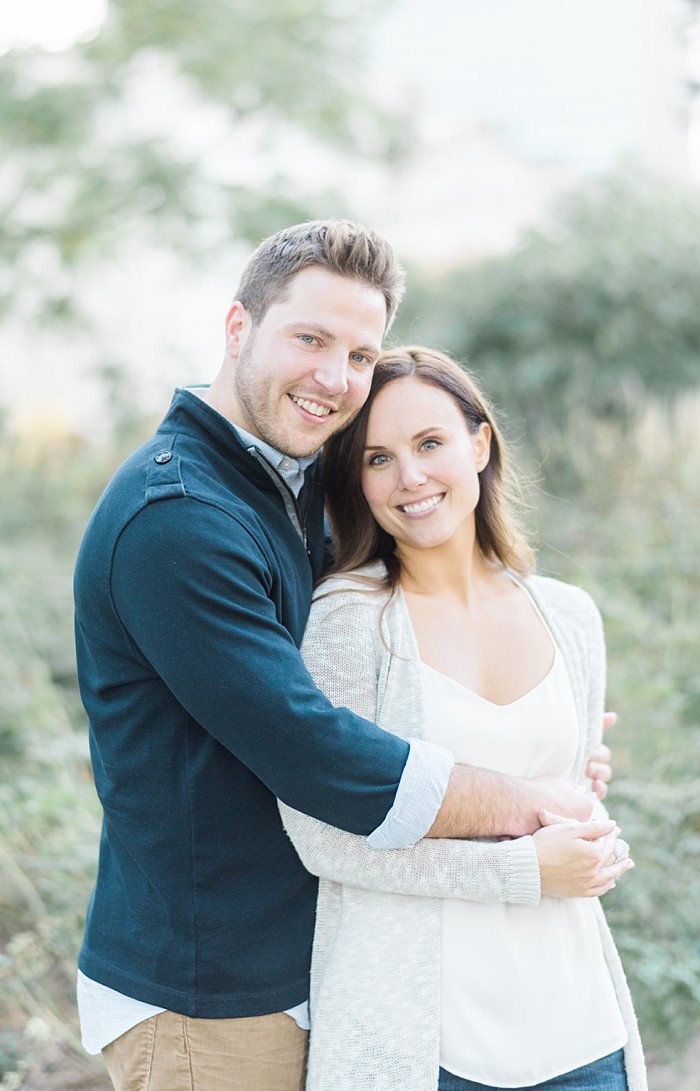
x=175 y=1053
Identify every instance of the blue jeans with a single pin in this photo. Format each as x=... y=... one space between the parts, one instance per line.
x=607 y=1074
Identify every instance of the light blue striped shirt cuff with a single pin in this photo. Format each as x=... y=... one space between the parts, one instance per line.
x=418 y=797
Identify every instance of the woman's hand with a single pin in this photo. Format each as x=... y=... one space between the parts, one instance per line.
x=598 y=766
x=577 y=859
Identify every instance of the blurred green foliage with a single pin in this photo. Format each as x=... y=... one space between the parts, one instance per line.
x=49 y=817
x=632 y=538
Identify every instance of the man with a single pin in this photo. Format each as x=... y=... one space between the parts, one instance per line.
x=192 y=588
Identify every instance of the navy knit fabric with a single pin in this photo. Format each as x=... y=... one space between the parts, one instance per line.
x=192 y=591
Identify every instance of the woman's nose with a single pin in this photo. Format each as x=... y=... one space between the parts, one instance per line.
x=411 y=474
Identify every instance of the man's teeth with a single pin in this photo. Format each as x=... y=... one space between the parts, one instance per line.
x=312 y=407
x=423 y=505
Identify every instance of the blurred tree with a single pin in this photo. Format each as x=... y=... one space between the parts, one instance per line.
x=86 y=161
x=589 y=313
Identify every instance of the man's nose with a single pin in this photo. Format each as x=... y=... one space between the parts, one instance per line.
x=331 y=372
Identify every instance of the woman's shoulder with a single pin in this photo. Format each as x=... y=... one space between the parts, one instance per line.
x=566 y=599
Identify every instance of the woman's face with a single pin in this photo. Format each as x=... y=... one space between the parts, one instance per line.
x=421 y=464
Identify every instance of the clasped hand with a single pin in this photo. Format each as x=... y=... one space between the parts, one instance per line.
x=578 y=859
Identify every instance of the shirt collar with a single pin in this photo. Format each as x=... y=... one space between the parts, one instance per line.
x=290 y=469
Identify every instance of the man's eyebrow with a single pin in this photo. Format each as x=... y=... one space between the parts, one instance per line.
x=315 y=327
x=371 y=350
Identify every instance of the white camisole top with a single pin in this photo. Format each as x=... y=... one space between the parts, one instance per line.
x=526 y=993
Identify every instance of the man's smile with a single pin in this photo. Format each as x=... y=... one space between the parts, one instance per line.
x=312 y=407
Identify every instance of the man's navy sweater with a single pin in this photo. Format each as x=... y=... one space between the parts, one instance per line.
x=192 y=590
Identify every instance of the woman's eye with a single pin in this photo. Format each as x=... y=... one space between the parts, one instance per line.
x=377 y=460
x=307 y=338
x=430 y=444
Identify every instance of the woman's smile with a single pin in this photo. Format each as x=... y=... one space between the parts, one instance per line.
x=422 y=507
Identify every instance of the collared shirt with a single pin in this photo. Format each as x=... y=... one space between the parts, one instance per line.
x=291 y=469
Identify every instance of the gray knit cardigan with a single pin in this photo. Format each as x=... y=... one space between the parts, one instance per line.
x=375 y=978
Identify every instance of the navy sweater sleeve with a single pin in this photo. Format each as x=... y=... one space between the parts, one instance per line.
x=199 y=597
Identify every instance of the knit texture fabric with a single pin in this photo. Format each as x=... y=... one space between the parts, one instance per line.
x=375 y=981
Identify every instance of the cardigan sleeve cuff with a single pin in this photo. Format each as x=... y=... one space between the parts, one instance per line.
x=418 y=797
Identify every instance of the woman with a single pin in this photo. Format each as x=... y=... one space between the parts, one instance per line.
x=456 y=965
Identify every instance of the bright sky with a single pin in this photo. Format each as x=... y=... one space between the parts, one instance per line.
x=578 y=80
x=48 y=23
x=584 y=80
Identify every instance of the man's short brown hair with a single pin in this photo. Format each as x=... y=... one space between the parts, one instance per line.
x=341 y=247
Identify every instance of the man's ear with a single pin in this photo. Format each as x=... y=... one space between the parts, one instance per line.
x=237 y=325
x=482 y=446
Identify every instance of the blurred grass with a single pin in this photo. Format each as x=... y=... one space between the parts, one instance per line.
x=49 y=814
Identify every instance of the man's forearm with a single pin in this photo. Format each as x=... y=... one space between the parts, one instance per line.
x=483 y=803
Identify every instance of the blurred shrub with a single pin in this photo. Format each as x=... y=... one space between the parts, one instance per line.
x=632 y=538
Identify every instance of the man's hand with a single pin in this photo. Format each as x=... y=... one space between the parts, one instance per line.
x=482 y=803
x=577 y=859
x=598 y=765
x=561 y=797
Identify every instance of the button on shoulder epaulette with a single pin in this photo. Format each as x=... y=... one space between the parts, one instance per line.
x=163 y=476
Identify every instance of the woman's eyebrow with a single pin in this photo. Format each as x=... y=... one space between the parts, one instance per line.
x=423 y=432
